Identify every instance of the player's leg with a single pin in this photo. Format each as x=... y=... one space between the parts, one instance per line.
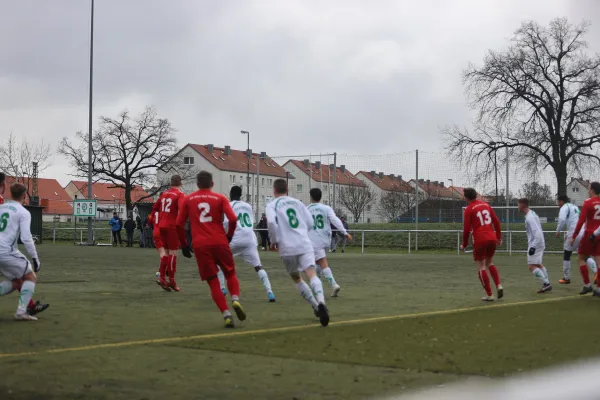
x=585 y=275
x=291 y=265
x=173 y=247
x=538 y=270
x=493 y=270
x=27 y=290
x=479 y=256
x=224 y=258
x=566 y=279
x=323 y=264
x=208 y=269
x=34 y=307
x=315 y=284
x=250 y=256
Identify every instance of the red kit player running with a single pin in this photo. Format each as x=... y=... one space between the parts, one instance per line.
x=205 y=209
x=481 y=220
x=153 y=220
x=168 y=206
x=589 y=245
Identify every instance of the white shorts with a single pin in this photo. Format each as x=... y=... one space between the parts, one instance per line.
x=248 y=253
x=299 y=263
x=537 y=258
x=14 y=266
x=320 y=254
x=575 y=245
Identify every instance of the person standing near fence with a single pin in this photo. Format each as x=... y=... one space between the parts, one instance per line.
x=140 y=228
x=115 y=227
x=264 y=233
x=129 y=229
x=334 y=243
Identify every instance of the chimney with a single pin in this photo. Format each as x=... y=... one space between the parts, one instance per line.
x=210 y=148
x=442 y=184
x=381 y=175
x=263 y=155
x=436 y=183
x=227 y=150
x=421 y=180
x=428 y=182
x=331 y=168
x=399 y=177
x=373 y=173
x=392 y=176
x=343 y=168
x=317 y=164
x=306 y=163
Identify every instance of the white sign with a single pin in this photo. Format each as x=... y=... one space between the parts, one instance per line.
x=84 y=208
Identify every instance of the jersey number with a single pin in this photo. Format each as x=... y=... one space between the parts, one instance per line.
x=596 y=215
x=318 y=222
x=166 y=205
x=204 y=210
x=156 y=218
x=3 y=221
x=292 y=218
x=484 y=217
x=245 y=220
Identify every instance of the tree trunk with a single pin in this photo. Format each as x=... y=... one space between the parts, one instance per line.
x=561 y=179
x=128 y=206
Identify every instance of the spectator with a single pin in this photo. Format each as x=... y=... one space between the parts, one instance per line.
x=148 y=239
x=341 y=238
x=333 y=239
x=129 y=229
x=115 y=227
x=140 y=227
x=265 y=243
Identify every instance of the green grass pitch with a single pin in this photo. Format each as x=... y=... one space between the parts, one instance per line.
x=111 y=333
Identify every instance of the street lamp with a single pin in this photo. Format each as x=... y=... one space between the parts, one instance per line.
x=248 y=170
x=492 y=143
x=90 y=233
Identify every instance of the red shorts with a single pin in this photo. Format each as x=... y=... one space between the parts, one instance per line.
x=587 y=247
x=208 y=257
x=169 y=238
x=484 y=250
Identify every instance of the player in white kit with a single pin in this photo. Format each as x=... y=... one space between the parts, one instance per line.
x=567 y=220
x=320 y=235
x=289 y=223
x=15 y=222
x=244 y=243
x=536 y=246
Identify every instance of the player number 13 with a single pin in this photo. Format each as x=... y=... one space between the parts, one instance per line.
x=204 y=210
x=484 y=217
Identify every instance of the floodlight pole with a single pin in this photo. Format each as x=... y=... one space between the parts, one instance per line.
x=90 y=233
x=249 y=155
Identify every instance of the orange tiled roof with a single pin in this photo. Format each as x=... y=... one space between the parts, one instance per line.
x=325 y=174
x=53 y=197
x=104 y=191
x=388 y=183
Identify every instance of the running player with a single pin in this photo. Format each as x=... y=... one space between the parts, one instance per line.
x=567 y=220
x=244 y=243
x=289 y=223
x=536 y=245
x=481 y=220
x=590 y=216
x=153 y=220
x=320 y=235
x=168 y=205
x=205 y=210
x=33 y=308
x=15 y=222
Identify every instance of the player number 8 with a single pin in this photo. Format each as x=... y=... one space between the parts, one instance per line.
x=292 y=218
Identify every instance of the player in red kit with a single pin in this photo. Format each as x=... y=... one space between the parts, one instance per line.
x=168 y=206
x=481 y=220
x=153 y=219
x=205 y=210
x=589 y=245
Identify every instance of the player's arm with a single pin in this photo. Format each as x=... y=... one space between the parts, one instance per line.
x=466 y=227
x=27 y=239
x=272 y=223
x=496 y=224
x=538 y=236
x=182 y=217
x=581 y=220
x=339 y=225
x=228 y=212
x=307 y=217
x=562 y=219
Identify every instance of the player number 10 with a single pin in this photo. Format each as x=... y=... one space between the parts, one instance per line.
x=484 y=217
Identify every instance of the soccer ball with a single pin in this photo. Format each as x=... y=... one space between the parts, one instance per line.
x=157 y=274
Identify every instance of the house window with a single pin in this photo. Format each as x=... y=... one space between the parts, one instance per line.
x=263 y=182
x=368 y=208
x=575 y=189
x=299 y=188
x=188 y=160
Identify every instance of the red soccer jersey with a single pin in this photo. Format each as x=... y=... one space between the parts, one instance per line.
x=168 y=205
x=481 y=219
x=1 y=199
x=590 y=215
x=205 y=209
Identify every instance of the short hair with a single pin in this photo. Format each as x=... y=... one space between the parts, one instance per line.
x=470 y=193
x=204 y=179
x=595 y=187
x=2 y=177
x=235 y=193
x=176 y=180
x=563 y=197
x=524 y=201
x=17 y=190
x=316 y=194
x=280 y=186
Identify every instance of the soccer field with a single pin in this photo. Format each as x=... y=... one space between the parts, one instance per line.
x=401 y=322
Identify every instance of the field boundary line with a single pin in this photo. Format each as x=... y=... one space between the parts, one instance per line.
x=280 y=329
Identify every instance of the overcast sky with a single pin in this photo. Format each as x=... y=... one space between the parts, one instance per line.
x=303 y=76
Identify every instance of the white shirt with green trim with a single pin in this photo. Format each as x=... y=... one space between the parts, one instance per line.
x=289 y=223
x=15 y=224
x=244 y=235
x=323 y=216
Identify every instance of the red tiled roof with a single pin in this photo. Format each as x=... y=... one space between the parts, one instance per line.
x=104 y=191
x=50 y=192
x=388 y=183
x=436 y=190
x=583 y=182
x=324 y=174
x=459 y=193
x=237 y=161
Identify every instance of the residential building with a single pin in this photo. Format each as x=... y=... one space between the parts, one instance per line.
x=577 y=190
x=433 y=190
x=230 y=167
x=109 y=198
x=383 y=184
x=53 y=198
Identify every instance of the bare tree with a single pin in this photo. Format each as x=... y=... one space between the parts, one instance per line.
x=17 y=158
x=538 y=195
x=540 y=99
x=356 y=199
x=394 y=203
x=127 y=152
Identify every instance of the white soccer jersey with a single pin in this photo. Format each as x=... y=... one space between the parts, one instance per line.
x=244 y=235
x=323 y=216
x=289 y=223
x=567 y=218
x=535 y=235
x=15 y=223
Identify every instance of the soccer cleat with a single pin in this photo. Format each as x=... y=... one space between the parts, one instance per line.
x=271 y=297
x=174 y=286
x=323 y=314
x=224 y=291
x=586 y=290
x=229 y=322
x=564 y=281
x=336 y=290
x=500 y=290
x=239 y=310
x=596 y=293
x=487 y=298
x=25 y=317
x=546 y=288
x=316 y=312
x=163 y=284
x=37 y=308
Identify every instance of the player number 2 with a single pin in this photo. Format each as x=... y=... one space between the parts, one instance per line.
x=166 y=205
x=204 y=210
x=597 y=214
x=292 y=218
x=3 y=221
x=484 y=217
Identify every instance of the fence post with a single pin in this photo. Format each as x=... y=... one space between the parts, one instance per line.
x=510 y=243
x=409 y=245
x=363 y=243
x=457 y=242
x=53 y=234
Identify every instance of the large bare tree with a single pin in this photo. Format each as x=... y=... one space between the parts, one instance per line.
x=394 y=203
x=127 y=152
x=538 y=195
x=356 y=199
x=17 y=158
x=539 y=98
